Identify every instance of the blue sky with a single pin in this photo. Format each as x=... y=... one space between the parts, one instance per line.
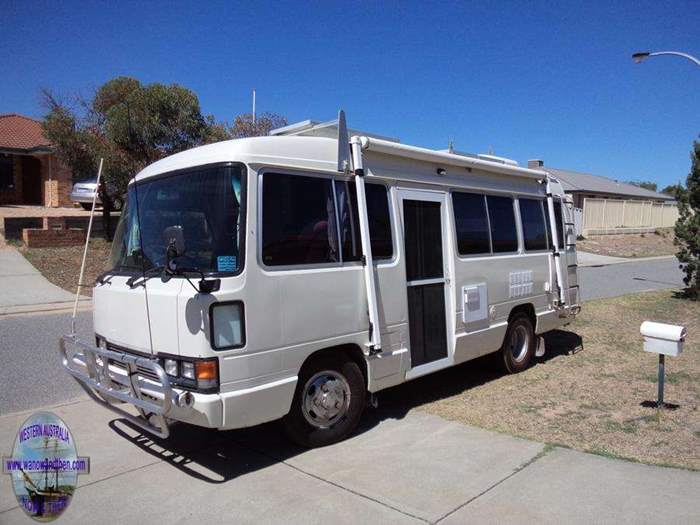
x=546 y=79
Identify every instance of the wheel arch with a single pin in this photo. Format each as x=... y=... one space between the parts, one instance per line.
x=349 y=350
x=529 y=310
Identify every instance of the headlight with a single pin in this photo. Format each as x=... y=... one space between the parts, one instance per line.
x=192 y=372
x=227 y=326
x=170 y=366
x=188 y=370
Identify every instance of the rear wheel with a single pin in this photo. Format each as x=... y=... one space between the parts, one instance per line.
x=519 y=343
x=328 y=401
x=86 y=206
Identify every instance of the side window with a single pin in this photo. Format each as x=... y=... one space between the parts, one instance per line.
x=349 y=222
x=534 y=229
x=504 y=237
x=298 y=220
x=379 y=221
x=560 y=224
x=471 y=223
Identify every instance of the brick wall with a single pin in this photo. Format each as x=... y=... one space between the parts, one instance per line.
x=53 y=234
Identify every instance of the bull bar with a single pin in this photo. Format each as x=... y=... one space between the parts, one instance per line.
x=152 y=396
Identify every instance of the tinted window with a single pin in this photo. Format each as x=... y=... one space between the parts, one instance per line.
x=471 y=223
x=504 y=237
x=204 y=204
x=298 y=220
x=423 y=239
x=379 y=221
x=560 y=224
x=350 y=240
x=532 y=215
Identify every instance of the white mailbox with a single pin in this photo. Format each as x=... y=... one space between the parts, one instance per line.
x=660 y=338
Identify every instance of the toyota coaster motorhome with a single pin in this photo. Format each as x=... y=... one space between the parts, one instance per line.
x=295 y=275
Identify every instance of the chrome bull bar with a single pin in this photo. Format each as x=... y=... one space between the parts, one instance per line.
x=152 y=396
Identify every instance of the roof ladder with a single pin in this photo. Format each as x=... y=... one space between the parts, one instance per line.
x=558 y=262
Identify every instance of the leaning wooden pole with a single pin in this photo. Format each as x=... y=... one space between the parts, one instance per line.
x=87 y=241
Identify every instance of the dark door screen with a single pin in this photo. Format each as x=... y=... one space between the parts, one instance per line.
x=426 y=300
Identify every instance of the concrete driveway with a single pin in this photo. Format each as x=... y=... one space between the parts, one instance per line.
x=22 y=287
x=400 y=468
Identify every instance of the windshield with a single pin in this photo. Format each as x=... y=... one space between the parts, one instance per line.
x=204 y=202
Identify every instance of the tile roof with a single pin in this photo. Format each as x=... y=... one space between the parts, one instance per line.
x=21 y=133
x=576 y=181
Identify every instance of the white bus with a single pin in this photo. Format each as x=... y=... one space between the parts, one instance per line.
x=294 y=276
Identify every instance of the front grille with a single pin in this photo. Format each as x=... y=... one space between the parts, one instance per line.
x=144 y=372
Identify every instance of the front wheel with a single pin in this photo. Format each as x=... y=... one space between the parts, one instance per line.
x=519 y=343
x=328 y=401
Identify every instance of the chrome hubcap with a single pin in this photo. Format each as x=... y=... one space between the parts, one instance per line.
x=519 y=343
x=326 y=399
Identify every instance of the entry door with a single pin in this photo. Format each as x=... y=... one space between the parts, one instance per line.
x=425 y=276
x=32 y=188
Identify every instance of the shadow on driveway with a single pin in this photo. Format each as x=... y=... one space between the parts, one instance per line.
x=217 y=456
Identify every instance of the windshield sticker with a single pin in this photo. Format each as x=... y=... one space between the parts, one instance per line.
x=226 y=263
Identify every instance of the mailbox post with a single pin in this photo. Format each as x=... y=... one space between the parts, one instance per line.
x=663 y=339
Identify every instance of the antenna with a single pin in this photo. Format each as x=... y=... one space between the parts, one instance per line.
x=87 y=241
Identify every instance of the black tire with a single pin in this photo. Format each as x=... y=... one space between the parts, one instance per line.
x=117 y=204
x=296 y=424
x=517 y=358
x=86 y=206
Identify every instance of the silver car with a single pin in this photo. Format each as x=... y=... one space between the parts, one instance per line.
x=84 y=192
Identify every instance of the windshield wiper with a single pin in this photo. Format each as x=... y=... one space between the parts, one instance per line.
x=133 y=281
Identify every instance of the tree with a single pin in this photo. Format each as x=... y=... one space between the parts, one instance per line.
x=674 y=189
x=687 y=227
x=647 y=185
x=130 y=125
x=244 y=126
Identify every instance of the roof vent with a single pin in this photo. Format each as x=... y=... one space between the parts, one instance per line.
x=494 y=158
x=535 y=163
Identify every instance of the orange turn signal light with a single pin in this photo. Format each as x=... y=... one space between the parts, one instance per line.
x=206 y=370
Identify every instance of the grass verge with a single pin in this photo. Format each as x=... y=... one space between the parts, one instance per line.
x=586 y=393
x=61 y=266
x=657 y=243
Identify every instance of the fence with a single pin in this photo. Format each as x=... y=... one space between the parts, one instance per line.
x=626 y=216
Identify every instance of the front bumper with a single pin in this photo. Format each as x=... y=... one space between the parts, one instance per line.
x=142 y=382
x=90 y=367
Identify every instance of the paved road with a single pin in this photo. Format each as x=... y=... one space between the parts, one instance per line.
x=620 y=279
x=31 y=374
x=26 y=386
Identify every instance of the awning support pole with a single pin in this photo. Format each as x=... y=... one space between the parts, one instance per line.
x=375 y=343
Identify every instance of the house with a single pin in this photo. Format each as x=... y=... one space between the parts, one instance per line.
x=606 y=206
x=30 y=173
x=584 y=185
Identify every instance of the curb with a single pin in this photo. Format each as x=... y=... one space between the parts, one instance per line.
x=624 y=260
x=63 y=306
